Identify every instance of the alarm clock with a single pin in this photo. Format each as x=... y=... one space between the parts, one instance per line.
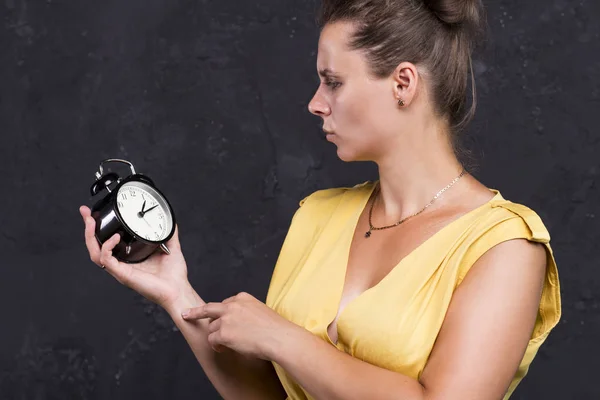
x=134 y=208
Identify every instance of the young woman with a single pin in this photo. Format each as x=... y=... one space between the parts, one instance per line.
x=423 y=284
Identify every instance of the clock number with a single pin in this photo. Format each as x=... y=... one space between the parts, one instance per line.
x=124 y=196
x=160 y=216
x=120 y=204
x=160 y=227
x=157 y=235
x=132 y=193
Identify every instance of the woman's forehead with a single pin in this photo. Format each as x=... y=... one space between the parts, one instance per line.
x=333 y=48
x=334 y=37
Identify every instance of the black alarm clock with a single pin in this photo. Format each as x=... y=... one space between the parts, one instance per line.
x=135 y=209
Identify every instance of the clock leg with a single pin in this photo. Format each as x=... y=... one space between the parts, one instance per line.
x=164 y=248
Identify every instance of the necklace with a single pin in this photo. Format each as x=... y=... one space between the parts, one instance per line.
x=373 y=228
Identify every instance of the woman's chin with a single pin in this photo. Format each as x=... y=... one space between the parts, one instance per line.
x=342 y=151
x=345 y=155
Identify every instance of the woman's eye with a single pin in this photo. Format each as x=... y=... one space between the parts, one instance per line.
x=333 y=84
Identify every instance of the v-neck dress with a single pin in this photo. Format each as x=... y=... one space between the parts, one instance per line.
x=395 y=323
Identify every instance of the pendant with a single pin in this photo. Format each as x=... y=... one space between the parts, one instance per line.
x=368 y=234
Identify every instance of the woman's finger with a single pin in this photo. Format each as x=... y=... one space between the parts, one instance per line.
x=214 y=339
x=124 y=273
x=107 y=260
x=214 y=325
x=173 y=243
x=91 y=242
x=230 y=300
x=208 y=310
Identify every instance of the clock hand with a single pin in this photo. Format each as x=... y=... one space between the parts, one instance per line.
x=141 y=213
x=150 y=209
x=147 y=222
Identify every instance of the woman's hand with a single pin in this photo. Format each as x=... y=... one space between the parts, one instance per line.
x=244 y=324
x=161 y=278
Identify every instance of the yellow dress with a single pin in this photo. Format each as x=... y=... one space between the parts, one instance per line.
x=395 y=323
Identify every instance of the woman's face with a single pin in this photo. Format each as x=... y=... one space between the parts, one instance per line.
x=361 y=112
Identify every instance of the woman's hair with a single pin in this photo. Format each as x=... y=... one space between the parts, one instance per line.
x=438 y=35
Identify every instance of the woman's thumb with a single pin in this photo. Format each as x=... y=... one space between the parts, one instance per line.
x=173 y=243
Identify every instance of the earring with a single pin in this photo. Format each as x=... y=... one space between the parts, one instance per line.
x=401 y=103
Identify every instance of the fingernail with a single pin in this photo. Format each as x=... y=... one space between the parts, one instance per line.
x=185 y=313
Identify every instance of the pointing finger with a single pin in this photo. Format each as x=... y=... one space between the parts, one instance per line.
x=209 y=310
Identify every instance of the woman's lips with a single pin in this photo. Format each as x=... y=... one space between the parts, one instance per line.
x=329 y=134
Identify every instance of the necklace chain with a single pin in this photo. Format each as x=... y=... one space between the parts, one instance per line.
x=438 y=194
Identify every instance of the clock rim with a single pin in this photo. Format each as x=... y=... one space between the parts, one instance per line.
x=140 y=178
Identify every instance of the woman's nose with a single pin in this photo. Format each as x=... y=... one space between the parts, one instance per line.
x=318 y=107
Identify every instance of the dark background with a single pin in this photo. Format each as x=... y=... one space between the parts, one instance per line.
x=210 y=98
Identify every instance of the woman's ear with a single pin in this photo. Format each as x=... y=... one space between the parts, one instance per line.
x=405 y=80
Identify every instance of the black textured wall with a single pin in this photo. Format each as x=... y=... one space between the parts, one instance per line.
x=209 y=98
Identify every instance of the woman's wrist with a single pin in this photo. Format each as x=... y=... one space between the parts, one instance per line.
x=186 y=298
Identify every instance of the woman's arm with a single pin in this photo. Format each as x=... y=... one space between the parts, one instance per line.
x=233 y=375
x=478 y=350
x=163 y=280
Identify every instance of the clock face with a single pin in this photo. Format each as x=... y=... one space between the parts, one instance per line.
x=144 y=211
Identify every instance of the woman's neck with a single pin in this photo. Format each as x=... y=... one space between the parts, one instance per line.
x=410 y=179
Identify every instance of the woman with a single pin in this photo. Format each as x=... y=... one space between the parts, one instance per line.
x=424 y=284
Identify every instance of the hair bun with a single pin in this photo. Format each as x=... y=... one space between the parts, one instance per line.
x=466 y=13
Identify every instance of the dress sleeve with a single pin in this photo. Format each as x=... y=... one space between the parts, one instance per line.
x=516 y=221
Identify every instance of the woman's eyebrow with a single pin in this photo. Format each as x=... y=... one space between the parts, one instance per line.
x=326 y=72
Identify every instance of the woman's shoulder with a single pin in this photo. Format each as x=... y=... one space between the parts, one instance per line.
x=317 y=208
x=506 y=220
x=331 y=196
x=500 y=221
x=504 y=210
